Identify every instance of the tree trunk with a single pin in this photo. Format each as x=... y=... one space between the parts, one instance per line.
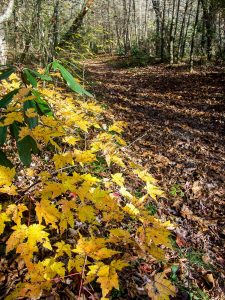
x=156 y=7
x=209 y=13
x=181 y=37
x=3 y=44
x=77 y=22
x=186 y=33
x=163 y=32
x=176 y=25
x=171 y=43
x=193 y=38
x=55 y=29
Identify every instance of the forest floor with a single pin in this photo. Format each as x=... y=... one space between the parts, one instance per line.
x=176 y=126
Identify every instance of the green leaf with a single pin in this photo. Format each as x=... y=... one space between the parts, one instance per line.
x=44 y=77
x=26 y=146
x=32 y=122
x=42 y=106
x=4 y=161
x=3 y=134
x=73 y=85
x=7 y=73
x=14 y=129
x=8 y=98
x=30 y=78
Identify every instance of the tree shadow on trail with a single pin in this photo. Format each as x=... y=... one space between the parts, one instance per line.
x=176 y=128
x=184 y=113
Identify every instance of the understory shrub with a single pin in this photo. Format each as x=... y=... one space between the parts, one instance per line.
x=71 y=213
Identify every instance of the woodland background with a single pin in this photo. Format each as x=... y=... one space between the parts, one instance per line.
x=163 y=29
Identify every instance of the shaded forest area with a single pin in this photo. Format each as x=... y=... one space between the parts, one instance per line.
x=176 y=129
x=112 y=157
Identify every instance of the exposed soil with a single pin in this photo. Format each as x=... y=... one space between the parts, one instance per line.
x=176 y=126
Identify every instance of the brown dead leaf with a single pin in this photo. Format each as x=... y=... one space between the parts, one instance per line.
x=197 y=189
x=209 y=279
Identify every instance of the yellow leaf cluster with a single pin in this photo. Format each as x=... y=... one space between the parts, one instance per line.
x=94 y=248
x=107 y=275
x=94 y=203
x=160 y=288
x=6 y=178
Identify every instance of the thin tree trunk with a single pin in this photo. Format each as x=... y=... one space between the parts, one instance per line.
x=171 y=43
x=156 y=7
x=55 y=30
x=176 y=24
x=163 y=32
x=182 y=30
x=193 y=38
x=3 y=44
x=186 y=33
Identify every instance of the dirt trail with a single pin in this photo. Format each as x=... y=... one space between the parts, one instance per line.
x=181 y=119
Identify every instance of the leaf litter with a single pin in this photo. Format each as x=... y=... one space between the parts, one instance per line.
x=176 y=125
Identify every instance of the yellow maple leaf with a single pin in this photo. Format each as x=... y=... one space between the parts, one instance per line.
x=107 y=275
x=52 y=190
x=16 y=211
x=119 y=235
x=156 y=252
x=17 y=237
x=12 y=117
x=63 y=159
x=86 y=213
x=84 y=190
x=156 y=233
x=117 y=160
x=33 y=288
x=67 y=215
x=10 y=190
x=3 y=219
x=104 y=253
x=117 y=127
x=131 y=209
x=33 y=235
x=6 y=175
x=124 y=192
x=53 y=268
x=88 y=246
x=160 y=288
x=62 y=248
x=119 y=264
x=120 y=140
x=108 y=279
x=153 y=191
x=47 y=211
x=84 y=156
x=77 y=263
x=145 y=176
x=118 y=179
x=71 y=140
x=94 y=247
x=91 y=179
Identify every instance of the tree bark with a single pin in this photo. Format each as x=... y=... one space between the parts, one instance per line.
x=181 y=37
x=171 y=43
x=3 y=44
x=156 y=7
x=193 y=38
x=209 y=19
x=77 y=22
